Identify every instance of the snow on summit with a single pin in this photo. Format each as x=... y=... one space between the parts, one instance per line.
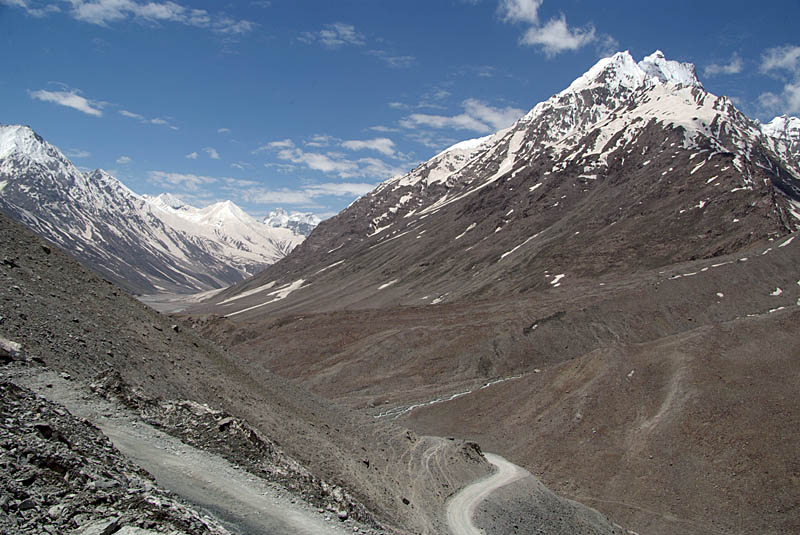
x=146 y=244
x=621 y=70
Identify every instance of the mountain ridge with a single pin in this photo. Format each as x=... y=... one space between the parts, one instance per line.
x=604 y=293
x=146 y=244
x=639 y=145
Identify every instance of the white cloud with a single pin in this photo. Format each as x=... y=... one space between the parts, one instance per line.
x=189 y=182
x=783 y=61
x=281 y=196
x=785 y=58
x=70 y=99
x=335 y=36
x=319 y=162
x=788 y=102
x=78 y=153
x=192 y=155
x=376 y=168
x=792 y=95
x=605 y=45
x=124 y=160
x=340 y=188
x=212 y=153
x=272 y=145
x=306 y=195
x=433 y=140
x=224 y=131
x=144 y=120
x=282 y=144
x=520 y=10
x=383 y=129
x=477 y=117
x=131 y=115
x=281 y=167
x=333 y=162
x=496 y=117
x=382 y=144
x=32 y=11
x=458 y=122
x=554 y=36
x=398 y=62
x=104 y=12
x=239 y=183
x=734 y=66
x=319 y=140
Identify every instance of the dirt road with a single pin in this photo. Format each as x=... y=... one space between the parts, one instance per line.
x=244 y=504
x=462 y=506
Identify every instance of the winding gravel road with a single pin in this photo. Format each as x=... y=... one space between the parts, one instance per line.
x=244 y=504
x=462 y=506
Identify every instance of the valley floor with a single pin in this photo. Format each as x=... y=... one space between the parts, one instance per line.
x=242 y=502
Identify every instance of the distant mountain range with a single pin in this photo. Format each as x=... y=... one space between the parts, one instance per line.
x=144 y=244
x=299 y=222
x=633 y=166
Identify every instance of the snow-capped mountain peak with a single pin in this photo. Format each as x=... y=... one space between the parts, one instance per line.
x=622 y=71
x=22 y=140
x=222 y=213
x=298 y=222
x=166 y=200
x=634 y=165
x=784 y=133
x=669 y=71
x=783 y=126
x=146 y=244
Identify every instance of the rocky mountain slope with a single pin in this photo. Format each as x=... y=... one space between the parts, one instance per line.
x=605 y=293
x=61 y=315
x=144 y=244
x=60 y=474
x=633 y=166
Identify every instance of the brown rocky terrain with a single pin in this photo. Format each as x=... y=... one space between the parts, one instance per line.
x=663 y=400
x=161 y=373
x=60 y=474
x=605 y=293
x=77 y=323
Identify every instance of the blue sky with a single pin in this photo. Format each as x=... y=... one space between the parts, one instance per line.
x=307 y=104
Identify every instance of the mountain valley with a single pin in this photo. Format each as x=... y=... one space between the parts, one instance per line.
x=605 y=293
x=72 y=339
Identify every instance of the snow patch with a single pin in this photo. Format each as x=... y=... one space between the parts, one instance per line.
x=518 y=246
x=472 y=226
x=384 y=286
x=248 y=293
x=697 y=167
x=277 y=295
x=326 y=268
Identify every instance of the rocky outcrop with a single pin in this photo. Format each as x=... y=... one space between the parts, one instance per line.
x=60 y=474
